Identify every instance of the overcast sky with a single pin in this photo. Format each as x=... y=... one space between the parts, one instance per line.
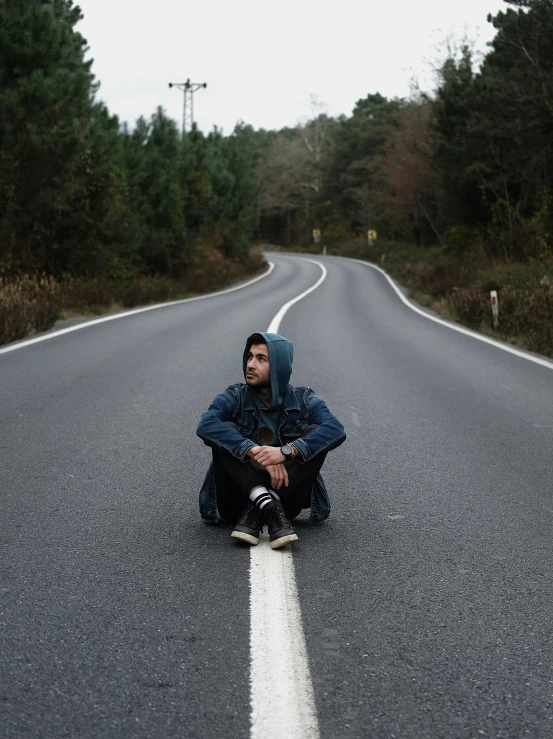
x=261 y=60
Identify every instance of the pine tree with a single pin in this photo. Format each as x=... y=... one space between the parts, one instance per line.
x=45 y=98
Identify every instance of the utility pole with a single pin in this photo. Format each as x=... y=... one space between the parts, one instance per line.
x=188 y=88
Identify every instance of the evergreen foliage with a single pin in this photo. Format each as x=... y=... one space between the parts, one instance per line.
x=469 y=167
x=81 y=195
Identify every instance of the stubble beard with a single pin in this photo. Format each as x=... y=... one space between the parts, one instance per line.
x=258 y=383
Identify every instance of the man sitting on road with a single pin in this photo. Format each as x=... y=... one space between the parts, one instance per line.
x=267 y=436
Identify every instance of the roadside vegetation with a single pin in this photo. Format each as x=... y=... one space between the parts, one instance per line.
x=94 y=215
x=458 y=289
x=458 y=183
x=31 y=305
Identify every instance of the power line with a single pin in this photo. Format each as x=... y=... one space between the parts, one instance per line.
x=188 y=88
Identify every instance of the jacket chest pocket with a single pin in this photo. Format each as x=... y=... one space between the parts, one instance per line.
x=294 y=429
x=246 y=428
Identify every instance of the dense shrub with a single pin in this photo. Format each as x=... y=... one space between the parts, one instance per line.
x=15 y=311
x=143 y=290
x=215 y=272
x=436 y=279
x=26 y=305
x=46 y=302
x=82 y=295
x=34 y=304
x=471 y=305
x=529 y=314
x=540 y=322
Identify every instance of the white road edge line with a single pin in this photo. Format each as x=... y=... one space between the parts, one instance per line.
x=453 y=327
x=55 y=334
x=282 y=698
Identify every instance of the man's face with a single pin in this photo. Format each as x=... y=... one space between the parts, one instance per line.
x=257 y=367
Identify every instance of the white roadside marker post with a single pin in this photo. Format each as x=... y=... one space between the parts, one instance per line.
x=495 y=308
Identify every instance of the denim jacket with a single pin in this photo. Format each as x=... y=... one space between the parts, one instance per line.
x=301 y=407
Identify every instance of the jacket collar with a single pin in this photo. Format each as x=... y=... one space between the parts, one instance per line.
x=249 y=402
x=290 y=402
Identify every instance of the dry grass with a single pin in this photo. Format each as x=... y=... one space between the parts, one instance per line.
x=34 y=304
x=458 y=288
x=28 y=305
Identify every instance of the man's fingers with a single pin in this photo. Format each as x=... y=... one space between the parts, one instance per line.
x=278 y=472
x=267 y=455
x=259 y=458
x=279 y=476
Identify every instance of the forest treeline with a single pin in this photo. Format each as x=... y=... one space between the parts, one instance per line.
x=81 y=194
x=89 y=206
x=469 y=166
x=458 y=183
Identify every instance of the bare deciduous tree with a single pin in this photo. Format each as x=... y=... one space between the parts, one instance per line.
x=405 y=193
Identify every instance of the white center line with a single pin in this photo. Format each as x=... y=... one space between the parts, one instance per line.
x=282 y=699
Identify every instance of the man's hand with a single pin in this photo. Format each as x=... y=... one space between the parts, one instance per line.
x=279 y=475
x=267 y=455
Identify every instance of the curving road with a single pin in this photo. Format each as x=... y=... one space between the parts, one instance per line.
x=426 y=600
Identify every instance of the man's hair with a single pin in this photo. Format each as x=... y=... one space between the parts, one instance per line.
x=256 y=339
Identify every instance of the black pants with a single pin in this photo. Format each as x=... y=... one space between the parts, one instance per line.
x=234 y=480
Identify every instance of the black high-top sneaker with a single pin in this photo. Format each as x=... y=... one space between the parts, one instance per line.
x=248 y=525
x=280 y=528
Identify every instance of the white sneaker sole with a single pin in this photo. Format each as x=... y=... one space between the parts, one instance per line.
x=277 y=543
x=248 y=538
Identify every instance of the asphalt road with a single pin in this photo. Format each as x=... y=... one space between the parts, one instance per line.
x=426 y=599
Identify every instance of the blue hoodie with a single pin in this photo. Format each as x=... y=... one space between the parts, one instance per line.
x=281 y=355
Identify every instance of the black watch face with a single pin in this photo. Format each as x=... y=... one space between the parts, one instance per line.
x=286 y=450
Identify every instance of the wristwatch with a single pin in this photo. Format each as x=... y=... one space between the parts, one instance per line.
x=287 y=451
